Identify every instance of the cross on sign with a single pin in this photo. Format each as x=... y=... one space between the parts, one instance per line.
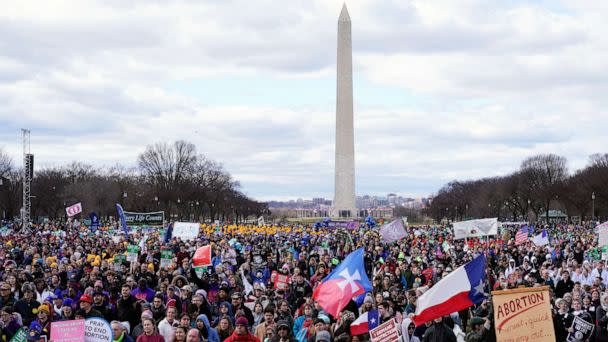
x=349 y=280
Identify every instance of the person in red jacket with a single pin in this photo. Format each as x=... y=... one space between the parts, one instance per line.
x=240 y=333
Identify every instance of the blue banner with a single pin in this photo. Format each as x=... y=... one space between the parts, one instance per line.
x=94 y=221
x=121 y=215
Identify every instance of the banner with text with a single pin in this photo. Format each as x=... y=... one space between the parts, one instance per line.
x=68 y=331
x=343 y=224
x=475 y=228
x=385 y=332
x=523 y=315
x=148 y=219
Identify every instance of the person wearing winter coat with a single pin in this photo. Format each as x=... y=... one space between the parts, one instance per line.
x=8 y=324
x=207 y=332
x=407 y=331
x=601 y=318
x=127 y=307
x=439 y=332
x=120 y=333
x=241 y=334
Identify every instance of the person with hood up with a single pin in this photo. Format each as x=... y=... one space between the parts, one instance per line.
x=225 y=309
x=407 y=331
x=207 y=332
x=241 y=334
x=439 y=332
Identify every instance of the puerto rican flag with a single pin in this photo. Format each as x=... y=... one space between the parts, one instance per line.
x=461 y=289
x=366 y=322
x=345 y=282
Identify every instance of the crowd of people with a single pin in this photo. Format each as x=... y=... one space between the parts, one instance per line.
x=62 y=272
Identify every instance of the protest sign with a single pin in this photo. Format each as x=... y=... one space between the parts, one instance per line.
x=166 y=258
x=68 y=331
x=343 y=224
x=281 y=282
x=583 y=330
x=475 y=228
x=385 y=332
x=20 y=336
x=156 y=218
x=132 y=251
x=186 y=230
x=97 y=330
x=523 y=315
x=74 y=209
x=119 y=260
x=602 y=231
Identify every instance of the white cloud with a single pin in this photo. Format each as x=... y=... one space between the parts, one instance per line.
x=491 y=83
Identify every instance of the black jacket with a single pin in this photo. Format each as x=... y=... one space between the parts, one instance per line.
x=128 y=310
x=439 y=332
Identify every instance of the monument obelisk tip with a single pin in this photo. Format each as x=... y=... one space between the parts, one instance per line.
x=344 y=14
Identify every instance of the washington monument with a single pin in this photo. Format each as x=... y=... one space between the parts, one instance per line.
x=344 y=197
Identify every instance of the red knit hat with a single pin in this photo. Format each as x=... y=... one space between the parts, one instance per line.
x=86 y=298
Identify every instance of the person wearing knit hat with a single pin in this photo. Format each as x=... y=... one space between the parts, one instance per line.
x=86 y=304
x=241 y=333
x=67 y=310
x=43 y=321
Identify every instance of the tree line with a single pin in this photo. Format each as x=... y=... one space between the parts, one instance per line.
x=170 y=177
x=542 y=183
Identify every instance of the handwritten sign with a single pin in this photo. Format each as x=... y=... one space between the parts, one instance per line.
x=97 y=330
x=523 y=315
x=68 y=331
x=385 y=332
x=281 y=282
x=583 y=330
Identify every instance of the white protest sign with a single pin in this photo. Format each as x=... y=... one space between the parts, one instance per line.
x=97 y=330
x=602 y=231
x=475 y=228
x=186 y=230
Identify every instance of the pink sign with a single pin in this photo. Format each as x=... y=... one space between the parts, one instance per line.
x=74 y=209
x=67 y=331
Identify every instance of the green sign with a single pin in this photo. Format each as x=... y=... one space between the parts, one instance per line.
x=20 y=336
x=132 y=251
x=166 y=258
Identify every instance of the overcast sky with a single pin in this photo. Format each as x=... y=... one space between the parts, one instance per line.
x=443 y=89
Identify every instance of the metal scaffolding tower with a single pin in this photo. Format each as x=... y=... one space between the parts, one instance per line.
x=28 y=174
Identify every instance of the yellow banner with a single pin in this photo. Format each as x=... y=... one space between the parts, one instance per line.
x=523 y=315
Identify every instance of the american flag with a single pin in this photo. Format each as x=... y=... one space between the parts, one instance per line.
x=521 y=236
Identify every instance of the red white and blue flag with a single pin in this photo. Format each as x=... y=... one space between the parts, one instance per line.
x=366 y=322
x=345 y=282
x=521 y=236
x=461 y=289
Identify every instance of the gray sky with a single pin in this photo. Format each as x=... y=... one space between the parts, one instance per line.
x=443 y=89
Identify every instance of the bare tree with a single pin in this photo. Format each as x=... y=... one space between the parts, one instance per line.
x=547 y=174
x=166 y=167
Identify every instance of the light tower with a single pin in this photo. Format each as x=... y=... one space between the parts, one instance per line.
x=28 y=174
